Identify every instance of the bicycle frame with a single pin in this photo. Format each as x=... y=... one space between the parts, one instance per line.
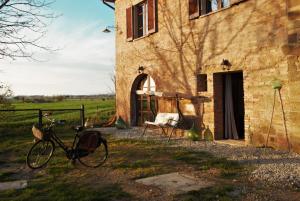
x=62 y=144
x=56 y=139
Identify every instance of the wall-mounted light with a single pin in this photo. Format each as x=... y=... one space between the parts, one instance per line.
x=108 y=29
x=107 y=3
x=226 y=64
x=141 y=69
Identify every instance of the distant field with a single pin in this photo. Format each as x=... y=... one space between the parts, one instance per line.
x=98 y=109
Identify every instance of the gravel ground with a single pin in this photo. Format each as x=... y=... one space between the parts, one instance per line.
x=271 y=167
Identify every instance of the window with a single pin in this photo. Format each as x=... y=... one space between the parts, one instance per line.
x=225 y=3
x=202 y=82
x=148 y=85
x=203 y=7
x=141 y=19
x=146 y=105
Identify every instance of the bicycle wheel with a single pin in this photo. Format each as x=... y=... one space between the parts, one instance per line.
x=40 y=154
x=93 y=157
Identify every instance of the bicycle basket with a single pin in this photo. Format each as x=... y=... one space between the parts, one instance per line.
x=88 y=141
x=39 y=134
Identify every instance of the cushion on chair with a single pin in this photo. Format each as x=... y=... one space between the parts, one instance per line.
x=173 y=119
x=161 y=118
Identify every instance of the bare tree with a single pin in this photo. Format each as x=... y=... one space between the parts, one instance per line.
x=22 y=26
x=112 y=89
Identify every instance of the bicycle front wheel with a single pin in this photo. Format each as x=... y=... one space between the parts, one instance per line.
x=96 y=157
x=40 y=154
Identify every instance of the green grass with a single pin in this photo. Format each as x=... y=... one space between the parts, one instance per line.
x=6 y=176
x=61 y=190
x=15 y=128
x=128 y=160
x=151 y=158
x=53 y=182
x=22 y=120
x=205 y=161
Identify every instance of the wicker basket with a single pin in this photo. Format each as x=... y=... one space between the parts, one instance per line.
x=38 y=133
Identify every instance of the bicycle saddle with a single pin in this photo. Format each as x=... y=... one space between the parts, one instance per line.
x=78 y=128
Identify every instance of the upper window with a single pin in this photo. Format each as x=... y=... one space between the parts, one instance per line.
x=225 y=3
x=203 y=7
x=141 y=19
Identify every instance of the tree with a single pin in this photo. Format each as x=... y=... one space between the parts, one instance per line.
x=5 y=92
x=5 y=100
x=112 y=90
x=22 y=26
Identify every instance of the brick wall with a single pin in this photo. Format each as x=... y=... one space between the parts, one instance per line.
x=292 y=49
x=256 y=36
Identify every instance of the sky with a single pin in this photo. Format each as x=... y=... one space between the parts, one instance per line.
x=84 y=61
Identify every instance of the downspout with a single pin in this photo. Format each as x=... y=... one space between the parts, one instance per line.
x=108 y=4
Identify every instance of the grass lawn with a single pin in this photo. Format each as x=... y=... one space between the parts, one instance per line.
x=19 y=124
x=96 y=108
x=128 y=160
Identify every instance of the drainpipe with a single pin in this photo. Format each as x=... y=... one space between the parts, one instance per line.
x=110 y=6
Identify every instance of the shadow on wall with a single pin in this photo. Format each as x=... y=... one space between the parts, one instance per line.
x=190 y=47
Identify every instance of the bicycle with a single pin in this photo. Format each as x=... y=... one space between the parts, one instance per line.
x=88 y=146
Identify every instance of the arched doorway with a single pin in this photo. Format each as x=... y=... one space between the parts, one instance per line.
x=143 y=106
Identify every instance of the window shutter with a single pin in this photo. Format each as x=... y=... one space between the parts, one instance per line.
x=152 y=16
x=193 y=9
x=203 y=7
x=129 y=24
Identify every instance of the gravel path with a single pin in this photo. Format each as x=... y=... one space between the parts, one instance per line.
x=275 y=168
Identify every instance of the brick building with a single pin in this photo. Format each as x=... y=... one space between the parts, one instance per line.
x=205 y=50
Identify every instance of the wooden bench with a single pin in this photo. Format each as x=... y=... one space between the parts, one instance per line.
x=164 y=121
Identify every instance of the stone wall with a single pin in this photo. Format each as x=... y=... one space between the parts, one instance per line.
x=292 y=50
x=256 y=36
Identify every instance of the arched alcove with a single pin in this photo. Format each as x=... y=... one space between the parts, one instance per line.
x=141 y=102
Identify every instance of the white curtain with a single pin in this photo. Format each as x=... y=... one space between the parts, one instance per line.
x=230 y=124
x=225 y=3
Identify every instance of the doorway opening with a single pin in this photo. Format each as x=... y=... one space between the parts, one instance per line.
x=143 y=106
x=229 y=109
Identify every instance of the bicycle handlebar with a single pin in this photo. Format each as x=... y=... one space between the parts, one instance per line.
x=53 y=121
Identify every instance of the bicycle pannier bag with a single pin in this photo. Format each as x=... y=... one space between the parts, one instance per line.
x=88 y=141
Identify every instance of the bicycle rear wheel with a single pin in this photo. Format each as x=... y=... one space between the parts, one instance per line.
x=96 y=157
x=40 y=154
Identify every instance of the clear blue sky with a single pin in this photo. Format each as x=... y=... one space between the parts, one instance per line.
x=86 y=58
x=84 y=10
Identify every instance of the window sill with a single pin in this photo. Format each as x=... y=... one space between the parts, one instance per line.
x=136 y=39
x=142 y=37
x=214 y=12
